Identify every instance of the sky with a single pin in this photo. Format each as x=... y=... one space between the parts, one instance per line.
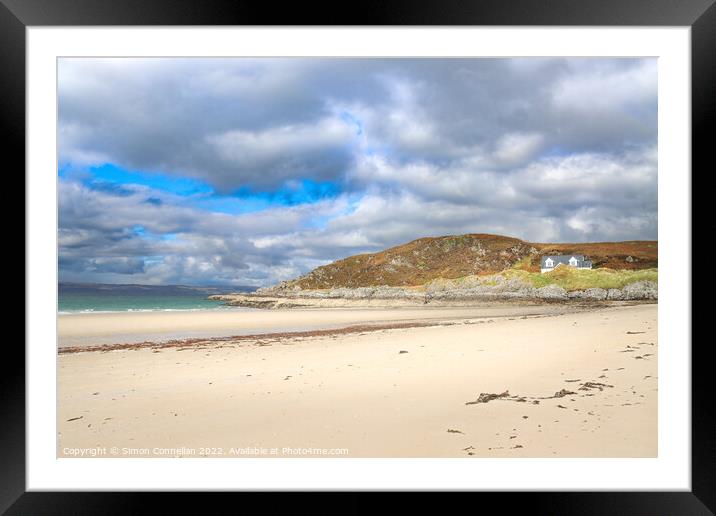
x=245 y=171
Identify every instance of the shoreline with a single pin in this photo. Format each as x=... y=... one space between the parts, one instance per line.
x=90 y=311
x=277 y=336
x=90 y=330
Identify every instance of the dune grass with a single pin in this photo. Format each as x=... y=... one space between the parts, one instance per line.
x=570 y=278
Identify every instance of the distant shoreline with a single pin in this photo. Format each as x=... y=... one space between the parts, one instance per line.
x=108 y=298
x=220 y=307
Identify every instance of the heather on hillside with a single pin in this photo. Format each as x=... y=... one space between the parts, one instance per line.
x=449 y=257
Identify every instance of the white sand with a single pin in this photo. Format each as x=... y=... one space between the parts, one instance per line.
x=358 y=392
x=112 y=328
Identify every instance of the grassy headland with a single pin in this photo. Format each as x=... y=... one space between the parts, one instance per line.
x=452 y=257
x=568 y=278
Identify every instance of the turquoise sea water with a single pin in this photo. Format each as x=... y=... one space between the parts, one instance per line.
x=125 y=298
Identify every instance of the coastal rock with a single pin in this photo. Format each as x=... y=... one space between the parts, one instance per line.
x=615 y=294
x=381 y=292
x=594 y=293
x=462 y=290
x=551 y=292
x=641 y=290
x=494 y=286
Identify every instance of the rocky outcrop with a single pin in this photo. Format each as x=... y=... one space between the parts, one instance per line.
x=487 y=288
x=641 y=290
x=597 y=294
x=457 y=256
x=255 y=301
x=615 y=294
x=551 y=292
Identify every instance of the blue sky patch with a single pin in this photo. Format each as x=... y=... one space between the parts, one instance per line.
x=115 y=180
x=247 y=200
x=101 y=177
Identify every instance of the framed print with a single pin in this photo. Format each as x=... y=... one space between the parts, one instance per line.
x=438 y=249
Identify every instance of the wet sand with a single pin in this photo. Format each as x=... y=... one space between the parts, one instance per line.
x=90 y=329
x=578 y=384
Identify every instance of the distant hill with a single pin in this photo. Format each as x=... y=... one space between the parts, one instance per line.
x=427 y=259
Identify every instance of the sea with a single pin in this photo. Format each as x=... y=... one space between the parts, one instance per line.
x=95 y=297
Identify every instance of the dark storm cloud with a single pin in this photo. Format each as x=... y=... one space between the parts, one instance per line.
x=541 y=149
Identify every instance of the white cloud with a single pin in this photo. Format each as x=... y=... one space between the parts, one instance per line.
x=286 y=152
x=601 y=88
x=517 y=148
x=541 y=149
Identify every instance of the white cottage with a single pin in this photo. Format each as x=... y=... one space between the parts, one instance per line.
x=549 y=263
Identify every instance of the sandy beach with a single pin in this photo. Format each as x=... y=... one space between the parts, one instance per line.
x=91 y=329
x=539 y=381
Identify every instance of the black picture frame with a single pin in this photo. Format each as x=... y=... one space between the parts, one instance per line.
x=700 y=15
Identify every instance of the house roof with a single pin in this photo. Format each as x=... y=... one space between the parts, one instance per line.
x=564 y=258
